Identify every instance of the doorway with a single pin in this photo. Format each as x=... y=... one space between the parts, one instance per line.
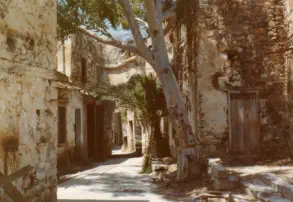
x=244 y=132
x=100 y=132
x=91 y=130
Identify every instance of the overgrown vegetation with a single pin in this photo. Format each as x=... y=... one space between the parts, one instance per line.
x=144 y=96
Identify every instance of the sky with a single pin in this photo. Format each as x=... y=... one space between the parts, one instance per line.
x=120 y=34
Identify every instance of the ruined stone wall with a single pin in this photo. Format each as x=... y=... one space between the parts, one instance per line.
x=109 y=108
x=87 y=48
x=64 y=57
x=69 y=57
x=287 y=49
x=28 y=98
x=71 y=150
x=236 y=46
x=112 y=57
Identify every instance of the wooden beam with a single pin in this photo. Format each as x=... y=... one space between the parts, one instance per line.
x=4 y=180
x=12 y=192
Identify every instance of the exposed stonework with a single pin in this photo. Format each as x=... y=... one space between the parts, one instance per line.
x=28 y=98
x=288 y=14
x=232 y=47
x=109 y=109
x=113 y=56
x=81 y=59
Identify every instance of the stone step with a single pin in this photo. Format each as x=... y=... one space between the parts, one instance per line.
x=242 y=198
x=278 y=184
x=262 y=192
x=220 y=176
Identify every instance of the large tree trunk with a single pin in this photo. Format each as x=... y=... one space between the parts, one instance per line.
x=158 y=59
x=187 y=158
x=147 y=161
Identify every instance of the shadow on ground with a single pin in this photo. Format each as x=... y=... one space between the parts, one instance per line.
x=90 y=168
x=122 y=185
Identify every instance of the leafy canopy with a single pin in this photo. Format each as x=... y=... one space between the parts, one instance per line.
x=142 y=94
x=95 y=15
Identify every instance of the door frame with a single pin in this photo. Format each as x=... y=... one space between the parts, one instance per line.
x=242 y=91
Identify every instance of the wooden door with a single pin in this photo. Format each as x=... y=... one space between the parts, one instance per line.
x=244 y=123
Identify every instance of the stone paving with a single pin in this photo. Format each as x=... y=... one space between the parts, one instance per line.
x=117 y=179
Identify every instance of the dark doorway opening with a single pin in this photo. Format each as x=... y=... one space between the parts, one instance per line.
x=125 y=142
x=62 y=136
x=91 y=132
x=100 y=132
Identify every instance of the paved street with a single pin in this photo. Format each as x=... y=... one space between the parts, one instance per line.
x=116 y=179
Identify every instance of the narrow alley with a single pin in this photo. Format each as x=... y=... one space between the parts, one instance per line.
x=117 y=179
x=146 y=100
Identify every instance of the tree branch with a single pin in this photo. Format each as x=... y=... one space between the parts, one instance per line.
x=155 y=20
x=151 y=17
x=140 y=43
x=115 y=43
x=120 y=65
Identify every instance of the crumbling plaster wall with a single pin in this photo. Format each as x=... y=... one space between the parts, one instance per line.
x=27 y=107
x=130 y=130
x=68 y=152
x=288 y=47
x=74 y=49
x=237 y=46
x=114 y=56
x=109 y=108
x=212 y=112
x=64 y=57
x=85 y=47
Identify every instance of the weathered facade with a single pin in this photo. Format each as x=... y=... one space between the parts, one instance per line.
x=28 y=97
x=230 y=62
x=288 y=22
x=128 y=132
x=84 y=124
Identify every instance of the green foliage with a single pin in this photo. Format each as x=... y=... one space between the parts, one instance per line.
x=95 y=15
x=124 y=116
x=142 y=94
x=147 y=164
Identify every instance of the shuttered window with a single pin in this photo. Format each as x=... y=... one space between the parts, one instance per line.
x=62 y=125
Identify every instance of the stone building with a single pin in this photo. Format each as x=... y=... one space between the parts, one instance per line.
x=84 y=123
x=28 y=96
x=288 y=54
x=128 y=132
x=230 y=60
